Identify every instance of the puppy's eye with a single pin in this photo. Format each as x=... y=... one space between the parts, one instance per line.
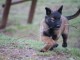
x=55 y=18
x=52 y=18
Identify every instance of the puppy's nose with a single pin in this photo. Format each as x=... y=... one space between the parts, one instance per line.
x=58 y=25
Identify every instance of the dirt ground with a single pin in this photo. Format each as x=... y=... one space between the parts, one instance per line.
x=10 y=52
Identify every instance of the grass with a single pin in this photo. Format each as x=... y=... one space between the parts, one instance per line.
x=4 y=40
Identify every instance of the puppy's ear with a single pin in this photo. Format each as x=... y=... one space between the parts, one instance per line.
x=48 y=11
x=60 y=9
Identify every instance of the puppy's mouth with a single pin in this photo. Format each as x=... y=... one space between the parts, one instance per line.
x=55 y=28
x=54 y=25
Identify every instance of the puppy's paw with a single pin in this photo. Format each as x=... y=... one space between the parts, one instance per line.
x=64 y=45
x=54 y=46
x=42 y=50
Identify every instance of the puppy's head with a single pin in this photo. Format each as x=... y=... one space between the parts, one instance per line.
x=52 y=18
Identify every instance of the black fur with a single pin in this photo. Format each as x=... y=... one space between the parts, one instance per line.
x=64 y=36
x=48 y=11
x=56 y=23
x=73 y=16
x=52 y=19
x=60 y=9
x=50 y=33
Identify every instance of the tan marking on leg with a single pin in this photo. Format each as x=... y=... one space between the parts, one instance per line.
x=49 y=43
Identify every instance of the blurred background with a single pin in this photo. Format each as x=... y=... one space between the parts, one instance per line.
x=23 y=22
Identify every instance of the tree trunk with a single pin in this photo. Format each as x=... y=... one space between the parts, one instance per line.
x=32 y=10
x=5 y=14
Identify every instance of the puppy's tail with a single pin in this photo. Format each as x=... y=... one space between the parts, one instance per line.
x=73 y=16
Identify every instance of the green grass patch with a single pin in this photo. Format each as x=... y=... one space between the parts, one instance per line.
x=5 y=40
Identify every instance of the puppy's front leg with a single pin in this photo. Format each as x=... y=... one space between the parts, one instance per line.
x=49 y=43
